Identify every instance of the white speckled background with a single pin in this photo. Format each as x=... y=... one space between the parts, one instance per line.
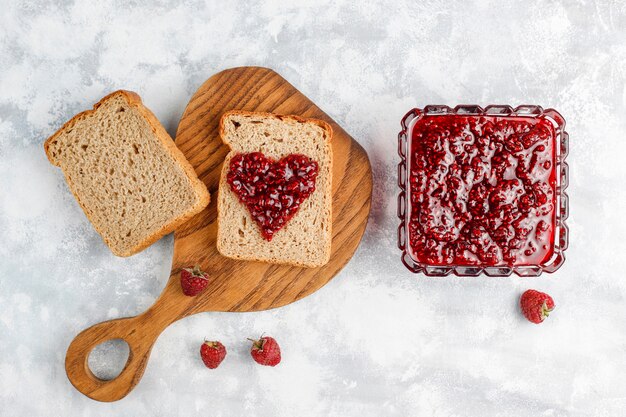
x=377 y=340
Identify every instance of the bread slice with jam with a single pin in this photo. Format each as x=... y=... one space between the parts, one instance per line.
x=275 y=193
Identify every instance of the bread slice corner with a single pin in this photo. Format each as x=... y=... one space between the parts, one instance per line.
x=128 y=176
x=306 y=239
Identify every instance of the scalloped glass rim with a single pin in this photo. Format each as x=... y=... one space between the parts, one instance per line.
x=562 y=203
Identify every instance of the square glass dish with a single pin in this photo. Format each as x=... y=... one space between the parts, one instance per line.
x=482 y=190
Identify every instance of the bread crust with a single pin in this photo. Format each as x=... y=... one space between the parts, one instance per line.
x=159 y=131
x=223 y=185
x=328 y=128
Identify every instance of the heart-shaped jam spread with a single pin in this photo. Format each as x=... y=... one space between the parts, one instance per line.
x=482 y=190
x=272 y=190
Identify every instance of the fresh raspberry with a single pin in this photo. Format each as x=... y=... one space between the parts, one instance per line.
x=536 y=305
x=265 y=351
x=193 y=281
x=212 y=354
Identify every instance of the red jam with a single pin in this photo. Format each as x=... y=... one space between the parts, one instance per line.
x=482 y=190
x=272 y=190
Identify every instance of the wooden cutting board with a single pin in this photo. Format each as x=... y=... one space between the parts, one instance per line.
x=234 y=285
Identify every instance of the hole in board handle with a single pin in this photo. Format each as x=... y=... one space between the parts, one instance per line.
x=108 y=359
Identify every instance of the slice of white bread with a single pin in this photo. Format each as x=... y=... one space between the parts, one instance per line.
x=306 y=239
x=130 y=179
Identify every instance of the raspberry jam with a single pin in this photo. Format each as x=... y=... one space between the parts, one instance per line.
x=481 y=190
x=272 y=190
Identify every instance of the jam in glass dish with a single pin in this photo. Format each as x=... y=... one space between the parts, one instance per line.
x=482 y=190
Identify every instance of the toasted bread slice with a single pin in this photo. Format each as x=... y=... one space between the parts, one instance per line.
x=130 y=179
x=305 y=240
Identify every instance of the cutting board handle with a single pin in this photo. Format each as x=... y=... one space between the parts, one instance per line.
x=140 y=340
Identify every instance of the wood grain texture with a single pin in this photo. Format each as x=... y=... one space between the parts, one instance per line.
x=235 y=285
